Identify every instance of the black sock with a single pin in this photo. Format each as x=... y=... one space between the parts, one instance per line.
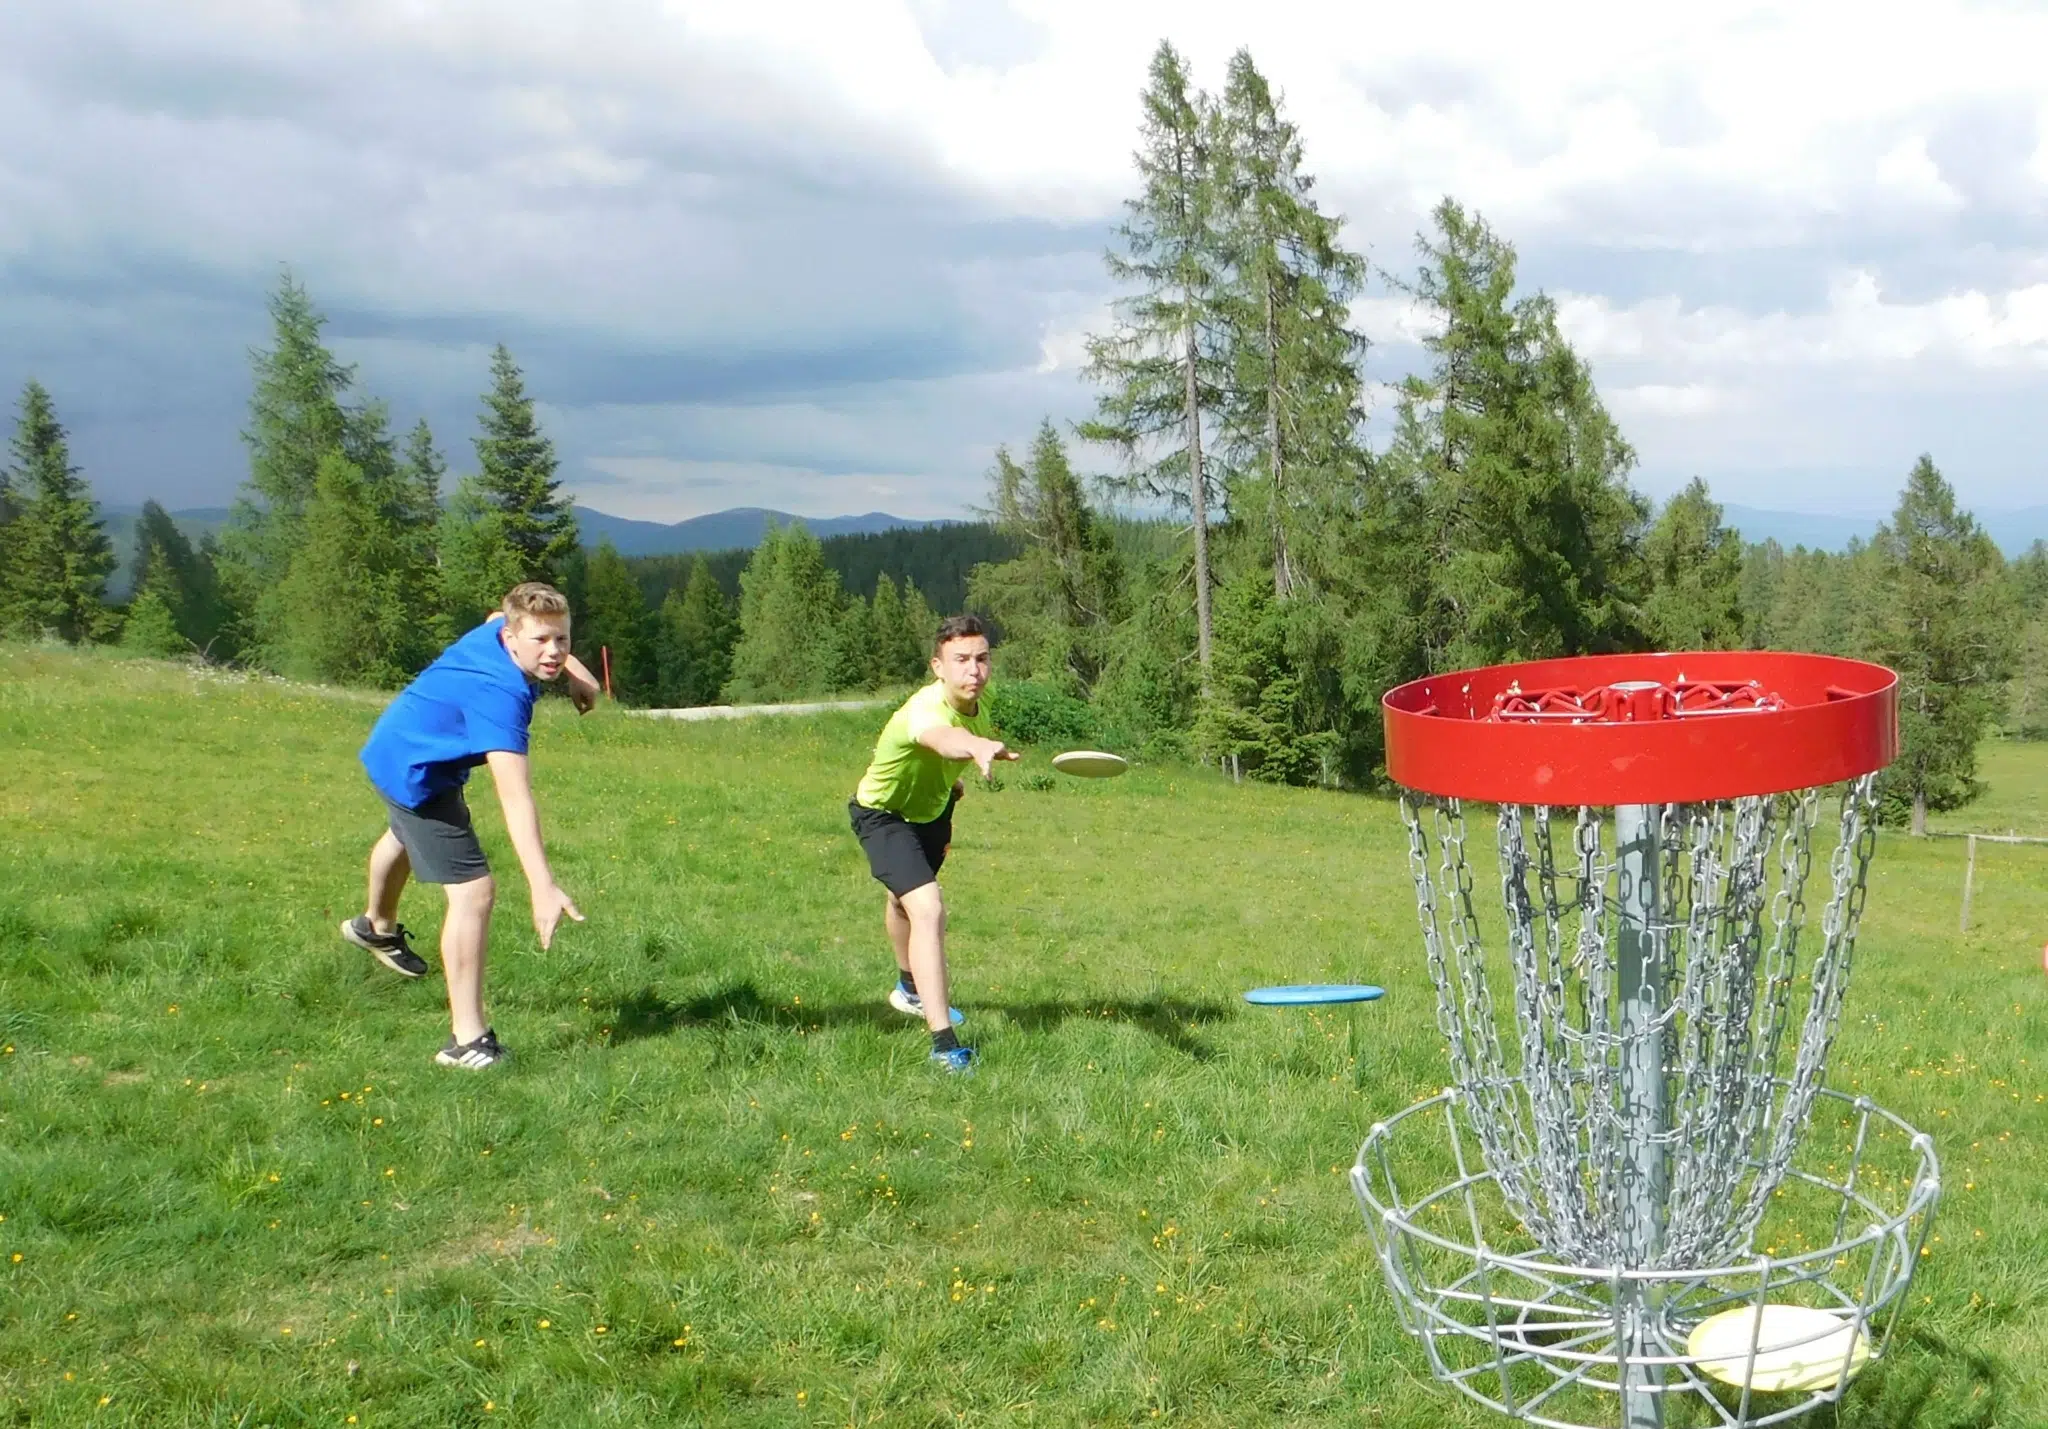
x=944 y=1041
x=908 y=983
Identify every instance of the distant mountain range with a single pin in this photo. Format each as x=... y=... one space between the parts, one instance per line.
x=738 y=529
x=2013 y=530
x=742 y=528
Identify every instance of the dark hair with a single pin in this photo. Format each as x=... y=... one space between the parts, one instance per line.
x=956 y=627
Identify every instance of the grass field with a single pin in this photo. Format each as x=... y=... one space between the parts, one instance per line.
x=719 y=1184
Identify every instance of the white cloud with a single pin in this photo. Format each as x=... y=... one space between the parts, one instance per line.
x=861 y=238
x=1694 y=399
x=1857 y=328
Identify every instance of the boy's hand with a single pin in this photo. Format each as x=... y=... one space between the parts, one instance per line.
x=549 y=904
x=989 y=751
x=583 y=688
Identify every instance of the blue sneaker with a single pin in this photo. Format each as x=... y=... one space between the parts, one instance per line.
x=911 y=1005
x=956 y=1060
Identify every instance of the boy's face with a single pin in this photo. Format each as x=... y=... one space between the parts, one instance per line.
x=962 y=664
x=538 y=643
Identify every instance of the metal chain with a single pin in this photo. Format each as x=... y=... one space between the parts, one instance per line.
x=1726 y=931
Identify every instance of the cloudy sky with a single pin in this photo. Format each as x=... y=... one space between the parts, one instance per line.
x=825 y=256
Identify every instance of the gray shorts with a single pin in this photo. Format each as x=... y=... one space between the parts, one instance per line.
x=439 y=840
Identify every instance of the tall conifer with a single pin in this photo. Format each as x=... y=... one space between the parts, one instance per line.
x=59 y=555
x=1293 y=404
x=1161 y=368
x=1944 y=620
x=517 y=475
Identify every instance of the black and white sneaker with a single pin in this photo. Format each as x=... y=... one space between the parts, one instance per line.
x=393 y=949
x=476 y=1056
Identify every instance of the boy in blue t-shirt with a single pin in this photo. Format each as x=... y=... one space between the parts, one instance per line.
x=471 y=706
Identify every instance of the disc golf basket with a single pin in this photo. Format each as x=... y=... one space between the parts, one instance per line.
x=1637 y=1204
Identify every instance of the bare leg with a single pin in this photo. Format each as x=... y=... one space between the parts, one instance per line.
x=389 y=869
x=926 y=908
x=898 y=923
x=463 y=939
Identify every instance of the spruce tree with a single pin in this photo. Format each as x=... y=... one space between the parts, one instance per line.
x=1293 y=405
x=149 y=628
x=1256 y=720
x=60 y=557
x=181 y=577
x=1526 y=538
x=1944 y=619
x=517 y=475
x=790 y=605
x=345 y=619
x=2027 y=694
x=612 y=616
x=855 y=649
x=1696 y=570
x=477 y=564
x=903 y=629
x=295 y=420
x=693 y=645
x=1058 y=601
x=1161 y=367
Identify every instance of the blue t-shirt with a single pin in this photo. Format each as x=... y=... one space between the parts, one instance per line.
x=471 y=701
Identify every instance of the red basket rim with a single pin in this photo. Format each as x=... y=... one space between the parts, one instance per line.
x=1714 y=724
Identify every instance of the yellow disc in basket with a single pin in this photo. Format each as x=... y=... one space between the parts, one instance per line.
x=1797 y=1348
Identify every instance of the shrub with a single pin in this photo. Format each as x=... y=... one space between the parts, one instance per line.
x=1027 y=712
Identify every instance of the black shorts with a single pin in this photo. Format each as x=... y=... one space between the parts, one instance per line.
x=902 y=855
x=440 y=842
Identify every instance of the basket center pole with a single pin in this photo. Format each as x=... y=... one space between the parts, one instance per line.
x=1642 y=986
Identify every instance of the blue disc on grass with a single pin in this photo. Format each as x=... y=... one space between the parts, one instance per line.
x=1313 y=994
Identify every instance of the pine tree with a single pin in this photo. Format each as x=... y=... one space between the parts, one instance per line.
x=1161 y=367
x=612 y=616
x=1254 y=720
x=181 y=577
x=517 y=476
x=693 y=646
x=1059 y=599
x=1528 y=537
x=790 y=605
x=295 y=421
x=60 y=557
x=477 y=562
x=2027 y=693
x=344 y=618
x=1944 y=620
x=854 y=648
x=903 y=628
x=1294 y=403
x=149 y=628
x=1696 y=570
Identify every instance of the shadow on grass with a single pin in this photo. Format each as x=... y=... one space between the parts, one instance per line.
x=647 y=1013
x=1942 y=1385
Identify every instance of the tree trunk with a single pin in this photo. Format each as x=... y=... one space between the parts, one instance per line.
x=1919 y=813
x=1193 y=417
x=1283 y=573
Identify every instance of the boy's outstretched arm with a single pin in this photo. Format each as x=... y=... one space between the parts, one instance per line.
x=951 y=742
x=522 y=821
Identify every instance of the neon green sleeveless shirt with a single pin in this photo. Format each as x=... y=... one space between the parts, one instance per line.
x=905 y=777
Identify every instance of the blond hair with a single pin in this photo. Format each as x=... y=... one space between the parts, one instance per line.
x=533 y=598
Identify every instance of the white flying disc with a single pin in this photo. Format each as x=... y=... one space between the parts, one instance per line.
x=1797 y=1348
x=1090 y=764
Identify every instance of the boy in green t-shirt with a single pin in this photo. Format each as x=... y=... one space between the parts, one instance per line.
x=903 y=816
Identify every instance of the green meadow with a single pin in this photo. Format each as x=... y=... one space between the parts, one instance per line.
x=719 y=1184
